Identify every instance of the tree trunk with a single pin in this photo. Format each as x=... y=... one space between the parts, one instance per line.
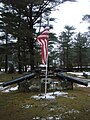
x=19 y=57
x=31 y=43
x=80 y=58
x=32 y=55
x=6 y=63
x=67 y=59
x=6 y=54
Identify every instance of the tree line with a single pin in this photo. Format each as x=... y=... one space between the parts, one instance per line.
x=20 y=23
x=72 y=49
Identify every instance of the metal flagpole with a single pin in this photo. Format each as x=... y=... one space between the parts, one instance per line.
x=46 y=75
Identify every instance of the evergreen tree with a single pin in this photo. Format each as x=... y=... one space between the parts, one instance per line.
x=52 y=51
x=65 y=44
x=81 y=46
x=20 y=17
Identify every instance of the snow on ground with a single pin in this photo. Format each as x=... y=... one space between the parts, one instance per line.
x=76 y=73
x=49 y=96
x=88 y=73
x=8 y=89
x=11 y=89
x=1 y=88
x=79 y=73
x=88 y=84
x=83 y=85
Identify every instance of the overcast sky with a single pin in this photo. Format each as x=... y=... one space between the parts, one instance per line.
x=71 y=13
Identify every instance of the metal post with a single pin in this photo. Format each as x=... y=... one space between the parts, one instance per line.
x=46 y=78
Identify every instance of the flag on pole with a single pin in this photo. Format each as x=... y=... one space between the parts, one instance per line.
x=43 y=41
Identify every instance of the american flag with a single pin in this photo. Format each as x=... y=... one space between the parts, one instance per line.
x=43 y=41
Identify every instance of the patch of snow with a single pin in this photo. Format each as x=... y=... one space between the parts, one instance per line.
x=27 y=106
x=10 y=89
x=79 y=73
x=72 y=111
x=88 y=110
x=1 y=83
x=1 y=87
x=2 y=70
x=88 y=73
x=36 y=118
x=80 y=76
x=80 y=85
x=88 y=84
x=7 y=89
x=52 y=109
x=76 y=73
x=83 y=85
x=69 y=97
x=50 y=118
x=57 y=93
x=38 y=97
x=55 y=117
x=49 y=96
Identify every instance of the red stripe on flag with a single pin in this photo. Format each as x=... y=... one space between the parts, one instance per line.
x=43 y=41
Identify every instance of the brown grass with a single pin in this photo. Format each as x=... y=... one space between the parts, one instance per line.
x=14 y=105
